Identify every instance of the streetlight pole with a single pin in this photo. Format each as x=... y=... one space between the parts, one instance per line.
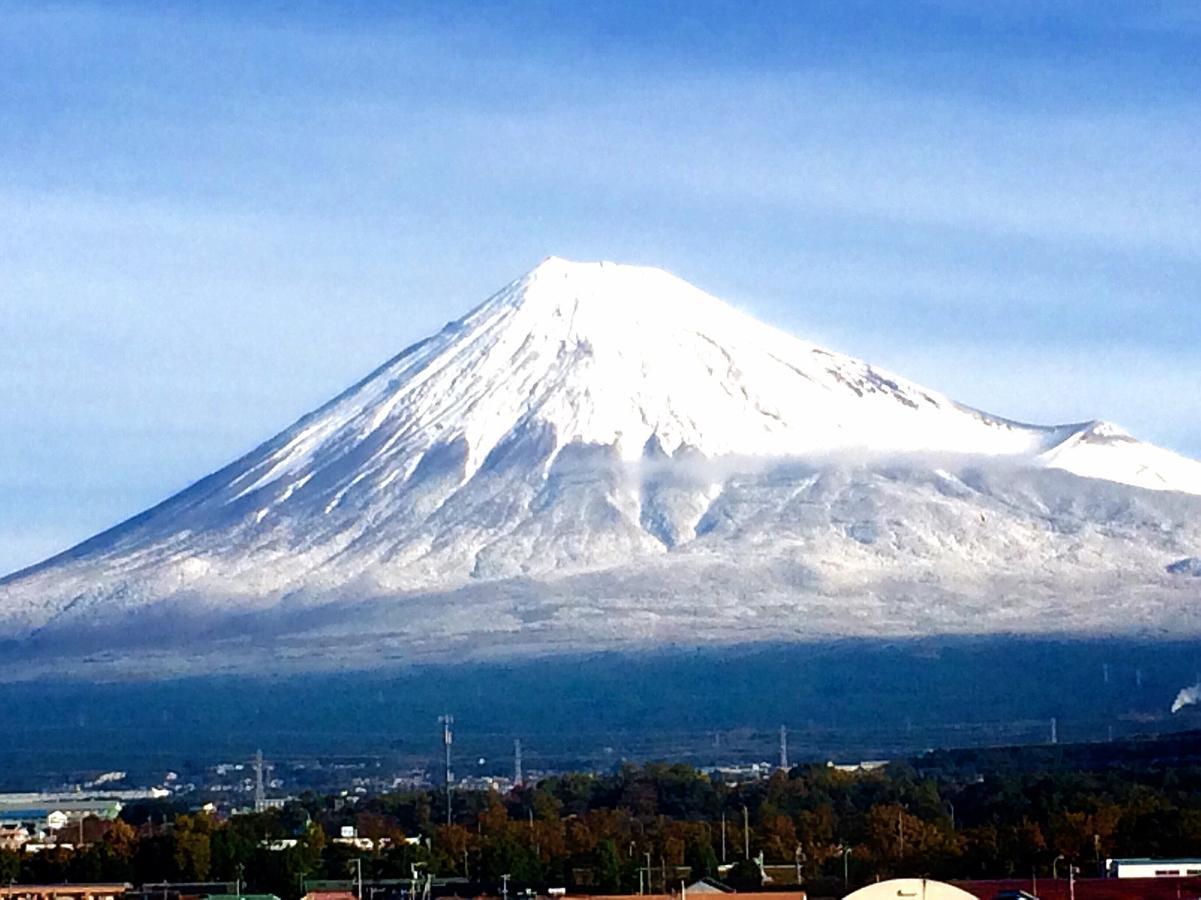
x=1054 y=866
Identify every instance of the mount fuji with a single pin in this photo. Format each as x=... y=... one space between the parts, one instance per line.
x=602 y=455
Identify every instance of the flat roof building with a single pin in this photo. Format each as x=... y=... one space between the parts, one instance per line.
x=1153 y=868
x=63 y=891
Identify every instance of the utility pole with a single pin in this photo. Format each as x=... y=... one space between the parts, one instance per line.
x=518 y=775
x=504 y=886
x=723 y=836
x=746 y=832
x=358 y=877
x=783 y=748
x=260 y=798
x=447 y=739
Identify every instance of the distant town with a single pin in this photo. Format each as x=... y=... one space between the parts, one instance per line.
x=1101 y=820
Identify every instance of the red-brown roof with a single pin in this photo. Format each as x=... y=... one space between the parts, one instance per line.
x=1091 y=888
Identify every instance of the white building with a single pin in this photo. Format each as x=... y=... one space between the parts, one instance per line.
x=13 y=837
x=1153 y=868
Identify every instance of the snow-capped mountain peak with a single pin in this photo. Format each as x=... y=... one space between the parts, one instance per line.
x=587 y=417
x=615 y=355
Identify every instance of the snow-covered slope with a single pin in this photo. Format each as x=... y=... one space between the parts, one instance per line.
x=594 y=420
x=1103 y=450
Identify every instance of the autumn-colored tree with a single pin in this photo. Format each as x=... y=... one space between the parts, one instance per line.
x=779 y=838
x=494 y=817
x=451 y=846
x=901 y=840
x=193 y=850
x=121 y=839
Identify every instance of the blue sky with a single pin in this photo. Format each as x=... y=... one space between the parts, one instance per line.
x=218 y=216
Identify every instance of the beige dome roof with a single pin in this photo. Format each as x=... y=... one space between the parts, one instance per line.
x=910 y=889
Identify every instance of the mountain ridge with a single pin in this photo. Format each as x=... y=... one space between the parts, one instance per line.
x=595 y=416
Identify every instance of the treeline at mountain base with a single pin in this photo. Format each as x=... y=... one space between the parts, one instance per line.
x=941 y=817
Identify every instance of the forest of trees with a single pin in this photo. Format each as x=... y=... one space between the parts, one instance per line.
x=596 y=832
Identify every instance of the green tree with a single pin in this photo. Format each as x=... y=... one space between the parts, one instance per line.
x=10 y=866
x=700 y=857
x=608 y=866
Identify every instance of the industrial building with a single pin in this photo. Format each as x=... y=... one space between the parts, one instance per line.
x=1153 y=868
x=53 y=812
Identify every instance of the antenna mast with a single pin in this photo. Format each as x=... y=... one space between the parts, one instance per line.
x=447 y=739
x=260 y=799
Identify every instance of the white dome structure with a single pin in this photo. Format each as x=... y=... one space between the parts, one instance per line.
x=910 y=889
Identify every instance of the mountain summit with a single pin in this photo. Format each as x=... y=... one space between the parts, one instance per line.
x=590 y=449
